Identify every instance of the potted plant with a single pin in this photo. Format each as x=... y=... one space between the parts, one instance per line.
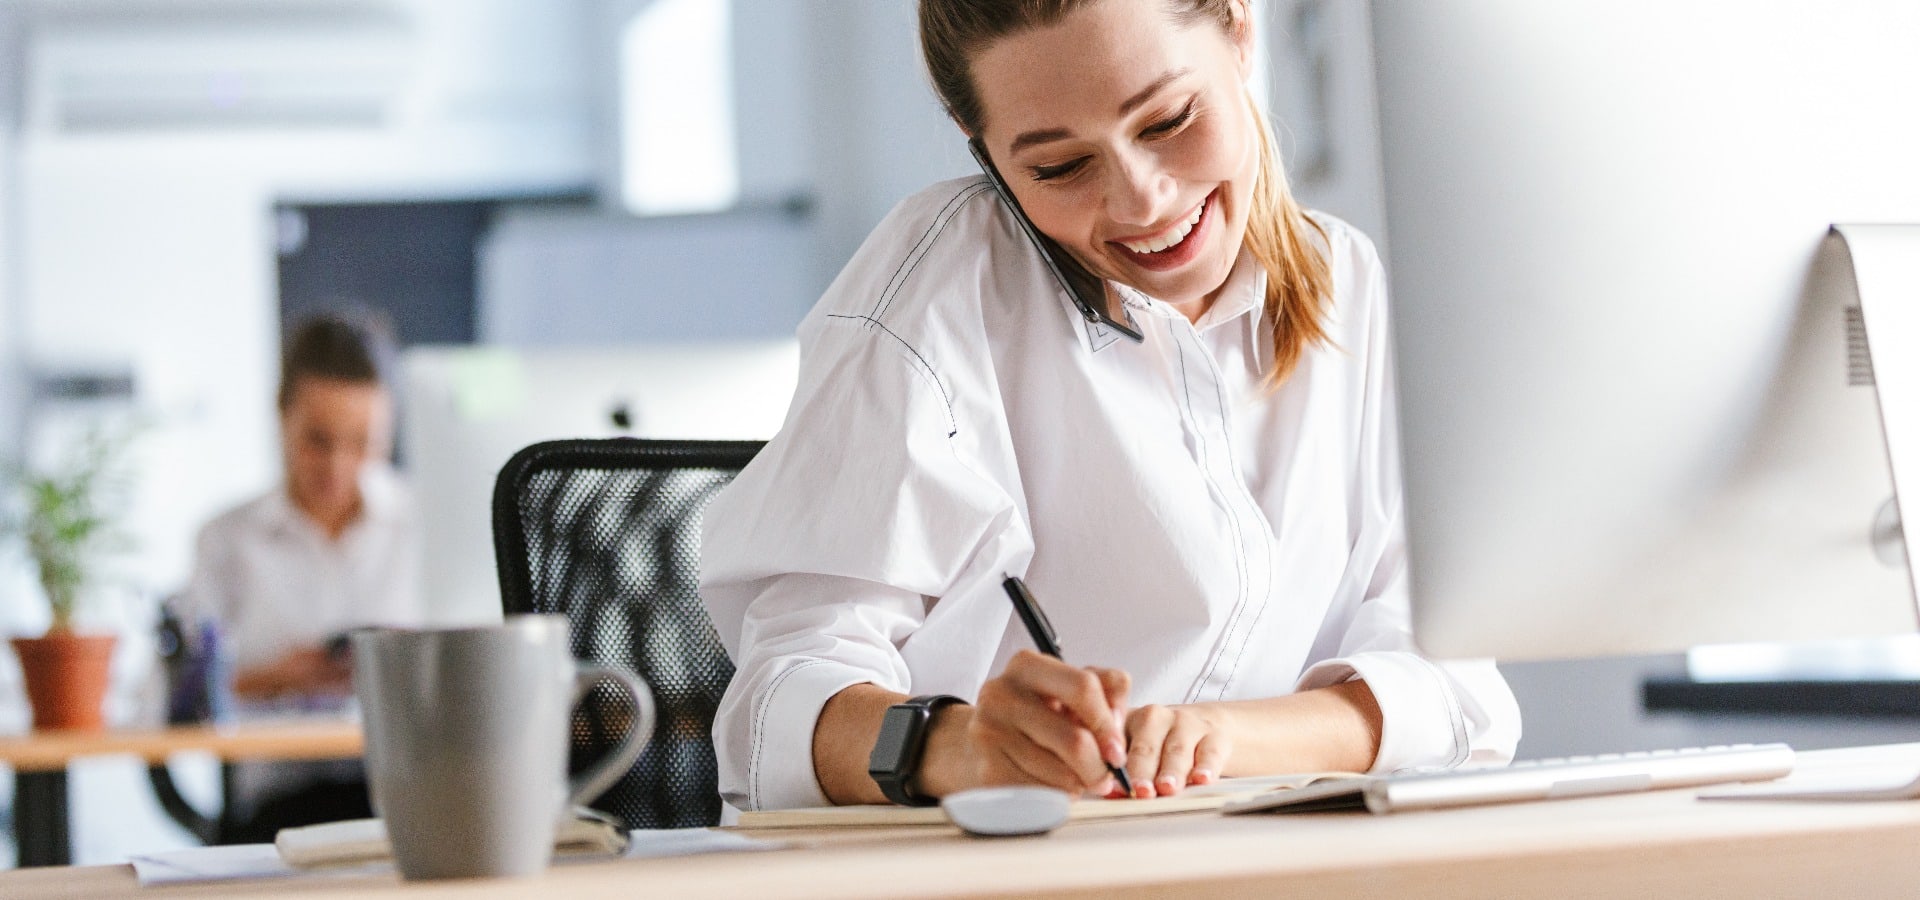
x=66 y=519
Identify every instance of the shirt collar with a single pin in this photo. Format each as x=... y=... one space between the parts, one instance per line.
x=379 y=501
x=1243 y=293
x=1242 y=302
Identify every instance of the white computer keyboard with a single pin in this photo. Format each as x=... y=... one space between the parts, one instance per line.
x=1540 y=779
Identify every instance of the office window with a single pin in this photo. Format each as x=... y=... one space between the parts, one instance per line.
x=677 y=109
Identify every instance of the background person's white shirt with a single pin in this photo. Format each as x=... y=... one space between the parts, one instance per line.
x=957 y=421
x=276 y=582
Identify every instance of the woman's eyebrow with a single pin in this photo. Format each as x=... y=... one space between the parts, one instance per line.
x=1046 y=135
x=1147 y=93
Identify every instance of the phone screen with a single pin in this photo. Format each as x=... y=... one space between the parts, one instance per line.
x=1087 y=291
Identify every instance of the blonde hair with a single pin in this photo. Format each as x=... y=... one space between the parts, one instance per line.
x=1299 y=281
x=1280 y=235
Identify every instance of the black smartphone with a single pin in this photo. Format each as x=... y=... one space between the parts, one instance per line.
x=1088 y=292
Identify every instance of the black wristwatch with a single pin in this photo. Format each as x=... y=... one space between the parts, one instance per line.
x=903 y=738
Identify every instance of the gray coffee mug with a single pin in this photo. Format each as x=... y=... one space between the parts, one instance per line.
x=466 y=742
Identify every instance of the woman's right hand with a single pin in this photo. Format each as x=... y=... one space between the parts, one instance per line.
x=1045 y=722
x=309 y=670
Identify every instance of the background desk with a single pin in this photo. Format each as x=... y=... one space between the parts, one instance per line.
x=39 y=762
x=1656 y=844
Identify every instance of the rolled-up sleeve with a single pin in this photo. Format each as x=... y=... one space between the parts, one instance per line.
x=1434 y=714
x=826 y=554
x=798 y=652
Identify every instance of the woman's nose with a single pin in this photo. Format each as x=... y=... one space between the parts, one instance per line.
x=346 y=463
x=1139 y=191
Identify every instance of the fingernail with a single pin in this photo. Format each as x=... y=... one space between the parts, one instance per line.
x=1107 y=786
x=1115 y=752
x=1203 y=776
x=1166 y=786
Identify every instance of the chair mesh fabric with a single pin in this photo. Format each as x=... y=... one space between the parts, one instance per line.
x=607 y=533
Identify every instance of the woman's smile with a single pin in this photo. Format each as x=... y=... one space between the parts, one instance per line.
x=1173 y=246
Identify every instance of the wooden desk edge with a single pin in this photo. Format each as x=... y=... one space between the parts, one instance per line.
x=51 y=751
x=1815 y=864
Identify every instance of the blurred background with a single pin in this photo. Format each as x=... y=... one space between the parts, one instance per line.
x=180 y=179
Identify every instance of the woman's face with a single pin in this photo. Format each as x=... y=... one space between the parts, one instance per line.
x=1127 y=138
x=329 y=431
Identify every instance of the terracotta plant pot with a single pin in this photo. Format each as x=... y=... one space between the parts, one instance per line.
x=66 y=677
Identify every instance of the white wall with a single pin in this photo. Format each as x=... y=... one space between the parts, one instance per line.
x=833 y=107
x=1322 y=103
x=585 y=277
x=773 y=103
x=10 y=94
x=879 y=133
x=10 y=61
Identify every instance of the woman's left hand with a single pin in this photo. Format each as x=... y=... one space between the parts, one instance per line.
x=1171 y=747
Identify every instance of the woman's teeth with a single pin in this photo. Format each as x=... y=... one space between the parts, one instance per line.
x=1170 y=237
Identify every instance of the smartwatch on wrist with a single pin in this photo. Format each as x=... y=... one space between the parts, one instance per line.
x=903 y=739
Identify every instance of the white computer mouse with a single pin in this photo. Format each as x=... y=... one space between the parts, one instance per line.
x=1007 y=811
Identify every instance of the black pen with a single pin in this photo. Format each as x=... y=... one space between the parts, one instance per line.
x=1048 y=642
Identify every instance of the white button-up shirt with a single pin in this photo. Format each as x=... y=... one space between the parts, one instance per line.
x=957 y=421
x=276 y=582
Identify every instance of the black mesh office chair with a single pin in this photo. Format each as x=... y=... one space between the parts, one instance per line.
x=607 y=533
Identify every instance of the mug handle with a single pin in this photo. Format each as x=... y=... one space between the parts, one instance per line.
x=602 y=775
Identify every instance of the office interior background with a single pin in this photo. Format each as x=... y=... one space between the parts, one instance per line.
x=177 y=177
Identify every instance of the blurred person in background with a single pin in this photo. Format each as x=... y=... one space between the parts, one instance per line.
x=284 y=576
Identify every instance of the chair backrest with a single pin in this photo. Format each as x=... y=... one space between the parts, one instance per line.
x=607 y=533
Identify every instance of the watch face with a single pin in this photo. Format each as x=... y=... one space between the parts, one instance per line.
x=898 y=733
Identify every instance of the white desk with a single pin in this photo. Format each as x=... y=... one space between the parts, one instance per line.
x=1663 y=844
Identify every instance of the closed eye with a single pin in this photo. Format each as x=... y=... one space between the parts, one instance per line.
x=1170 y=125
x=1054 y=173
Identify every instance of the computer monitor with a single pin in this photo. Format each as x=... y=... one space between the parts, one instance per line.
x=1623 y=327
x=466 y=410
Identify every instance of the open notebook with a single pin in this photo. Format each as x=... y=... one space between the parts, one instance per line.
x=1204 y=797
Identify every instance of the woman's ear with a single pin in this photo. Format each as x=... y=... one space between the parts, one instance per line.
x=1240 y=32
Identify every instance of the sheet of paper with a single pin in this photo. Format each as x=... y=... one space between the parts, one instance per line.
x=197 y=864
x=208 y=864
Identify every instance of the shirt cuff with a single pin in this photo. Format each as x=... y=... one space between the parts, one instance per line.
x=1421 y=724
x=780 y=767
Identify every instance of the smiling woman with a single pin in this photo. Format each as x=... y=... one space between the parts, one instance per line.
x=1135 y=164
x=1212 y=513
